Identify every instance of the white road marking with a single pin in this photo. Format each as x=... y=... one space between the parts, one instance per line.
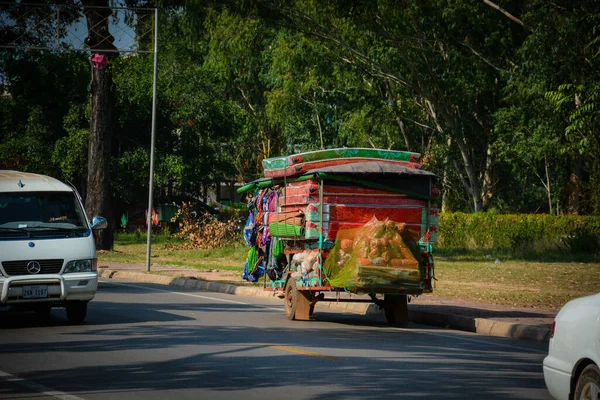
x=46 y=391
x=427 y=332
x=192 y=295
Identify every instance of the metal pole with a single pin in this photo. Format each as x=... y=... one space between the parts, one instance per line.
x=153 y=134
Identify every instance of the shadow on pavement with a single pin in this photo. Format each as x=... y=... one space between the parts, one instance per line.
x=192 y=346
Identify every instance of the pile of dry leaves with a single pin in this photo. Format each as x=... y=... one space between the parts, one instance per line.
x=203 y=231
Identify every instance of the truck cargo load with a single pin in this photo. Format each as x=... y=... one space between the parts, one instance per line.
x=352 y=221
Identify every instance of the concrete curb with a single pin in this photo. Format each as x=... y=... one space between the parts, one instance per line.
x=481 y=326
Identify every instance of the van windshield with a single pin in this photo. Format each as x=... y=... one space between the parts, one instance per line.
x=35 y=213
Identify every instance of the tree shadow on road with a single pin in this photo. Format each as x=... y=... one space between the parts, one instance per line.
x=227 y=351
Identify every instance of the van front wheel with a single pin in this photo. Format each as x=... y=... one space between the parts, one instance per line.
x=76 y=311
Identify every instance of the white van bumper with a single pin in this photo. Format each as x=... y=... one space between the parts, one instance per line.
x=53 y=288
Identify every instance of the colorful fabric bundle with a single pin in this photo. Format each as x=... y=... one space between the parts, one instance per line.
x=256 y=232
x=254 y=267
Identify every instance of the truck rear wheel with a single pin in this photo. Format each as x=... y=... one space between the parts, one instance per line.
x=395 y=308
x=297 y=302
x=291 y=299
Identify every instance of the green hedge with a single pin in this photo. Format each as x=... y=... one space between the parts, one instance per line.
x=492 y=231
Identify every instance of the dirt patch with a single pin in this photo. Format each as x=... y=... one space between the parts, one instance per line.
x=498 y=286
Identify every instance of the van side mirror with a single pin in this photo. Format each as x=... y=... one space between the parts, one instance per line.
x=99 y=223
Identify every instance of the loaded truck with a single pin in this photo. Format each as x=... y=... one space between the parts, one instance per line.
x=346 y=224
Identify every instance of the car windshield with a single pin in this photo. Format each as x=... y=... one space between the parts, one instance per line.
x=41 y=212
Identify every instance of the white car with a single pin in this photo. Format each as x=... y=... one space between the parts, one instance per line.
x=47 y=250
x=571 y=369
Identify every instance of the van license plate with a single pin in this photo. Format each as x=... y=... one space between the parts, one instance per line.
x=35 y=292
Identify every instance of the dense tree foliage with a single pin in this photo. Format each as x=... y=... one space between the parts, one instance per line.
x=500 y=97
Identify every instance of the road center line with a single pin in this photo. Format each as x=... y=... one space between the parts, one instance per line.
x=300 y=351
x=427 y=332
x=37 y=387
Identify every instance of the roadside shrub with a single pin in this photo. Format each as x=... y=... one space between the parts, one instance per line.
x=581 y=241
x=166 y=232
x=141 y=237
x=527 y=232
x=203 y=231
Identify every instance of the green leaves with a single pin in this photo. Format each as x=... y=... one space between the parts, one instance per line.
x=70 y=151
x=505 y=112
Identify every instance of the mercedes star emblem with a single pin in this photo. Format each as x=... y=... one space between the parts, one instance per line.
x=34 y=267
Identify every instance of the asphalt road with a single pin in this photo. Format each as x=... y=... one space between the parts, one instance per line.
x=144 y=341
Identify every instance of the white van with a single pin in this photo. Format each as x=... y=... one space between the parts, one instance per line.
x=47 y=250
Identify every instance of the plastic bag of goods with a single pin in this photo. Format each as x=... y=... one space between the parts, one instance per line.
x=381 y=254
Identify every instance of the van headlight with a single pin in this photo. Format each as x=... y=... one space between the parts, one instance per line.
x=81 y=266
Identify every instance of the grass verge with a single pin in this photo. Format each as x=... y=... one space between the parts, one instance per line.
x=498 y=278
x=131 y=249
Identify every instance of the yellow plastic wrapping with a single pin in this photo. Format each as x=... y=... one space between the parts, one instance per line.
x=381 y=254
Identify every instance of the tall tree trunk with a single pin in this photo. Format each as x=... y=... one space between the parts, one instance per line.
x=547 y=185
x=98 y=199
x=446 y=182
x=393 y=101
x=265 y=147
x=314 y=104
x=574 y=187
x=218 y=191
x=471 y=181
x=231 y=192
x=445 y=190
x=475 y=190
x=595 y=184
x=488 y=180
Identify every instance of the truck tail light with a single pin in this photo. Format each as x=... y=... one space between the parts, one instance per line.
x=552 y=329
